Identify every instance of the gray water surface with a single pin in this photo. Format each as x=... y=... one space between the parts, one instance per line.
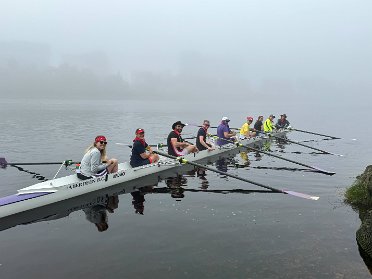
x=203 y=234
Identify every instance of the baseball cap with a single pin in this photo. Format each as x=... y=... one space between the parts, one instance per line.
x=100 y=138
x=140 y=131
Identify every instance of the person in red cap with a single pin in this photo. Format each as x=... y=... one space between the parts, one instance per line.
x=176 y=145
x=245 y=130
x=95 y=162
x=142 y=153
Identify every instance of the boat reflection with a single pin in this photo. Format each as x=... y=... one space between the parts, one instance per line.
x=97 y=206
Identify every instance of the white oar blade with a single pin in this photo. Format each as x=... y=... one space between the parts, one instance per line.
x=125 y=144
x=340 y=155
x=301 y=195
x=323 y=171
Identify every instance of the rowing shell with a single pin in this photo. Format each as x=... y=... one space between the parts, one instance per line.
x=52 y=191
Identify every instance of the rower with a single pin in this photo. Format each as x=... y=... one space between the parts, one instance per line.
x=269 y=124
x=245 y=130
x=93 y=164
x=142 y=153
x=176 y=145
x=282 y=123
x=224 y=133
x=201 y=143
x=258 y=126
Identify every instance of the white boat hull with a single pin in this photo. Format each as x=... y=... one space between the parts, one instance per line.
x=132 y=178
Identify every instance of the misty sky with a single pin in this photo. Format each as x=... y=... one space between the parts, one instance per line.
x=258 y=40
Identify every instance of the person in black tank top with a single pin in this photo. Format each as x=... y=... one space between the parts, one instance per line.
x=201 y=143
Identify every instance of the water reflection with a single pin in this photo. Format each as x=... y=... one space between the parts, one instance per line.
x=364 y=237
x=139 y=199
x=97 y=214
x=175 y=186
x=281 y=143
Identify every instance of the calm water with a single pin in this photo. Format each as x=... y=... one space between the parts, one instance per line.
x=194 y=234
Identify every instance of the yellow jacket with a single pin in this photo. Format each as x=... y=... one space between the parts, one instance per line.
x=244 y=130
x=268 y=125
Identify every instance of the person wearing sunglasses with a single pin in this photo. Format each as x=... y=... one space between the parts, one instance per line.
x=94 y=162
x=245 y=130
x=201 y=143
x=176 y=145
x=142 y=153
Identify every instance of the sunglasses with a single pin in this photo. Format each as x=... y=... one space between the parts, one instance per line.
x=207 y=125
x=103 y=142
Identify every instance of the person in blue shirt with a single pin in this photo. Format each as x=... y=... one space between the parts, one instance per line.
x=142 y=153
x=224 y=133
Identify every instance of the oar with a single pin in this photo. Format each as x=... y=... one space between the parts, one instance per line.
x=312 y=133
x=166 y=190
x=282 y=158
x=304 y=145
x=160 y=145
x=213 y=127
x=184 y=161
x=4 y=163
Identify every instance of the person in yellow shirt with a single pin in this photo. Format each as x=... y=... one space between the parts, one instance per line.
x=245 y=130
x=269 y=124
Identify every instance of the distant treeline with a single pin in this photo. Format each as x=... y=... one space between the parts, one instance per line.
x=60 y=82
x=69 y=81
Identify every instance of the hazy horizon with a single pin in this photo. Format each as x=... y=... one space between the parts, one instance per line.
x=259 y=48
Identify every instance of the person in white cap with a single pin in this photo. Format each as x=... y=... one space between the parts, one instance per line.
x=245 y=130
x=224 y=133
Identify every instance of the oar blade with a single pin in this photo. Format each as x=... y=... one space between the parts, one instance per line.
x=301 y=195
x=340 y=155
x=323 y=171
x=3 y=163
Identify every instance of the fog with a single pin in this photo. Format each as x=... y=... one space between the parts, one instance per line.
x=294 y=49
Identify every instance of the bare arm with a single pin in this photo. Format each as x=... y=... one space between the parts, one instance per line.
x=229 y=134
x=202 y=142
x=175 y=143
